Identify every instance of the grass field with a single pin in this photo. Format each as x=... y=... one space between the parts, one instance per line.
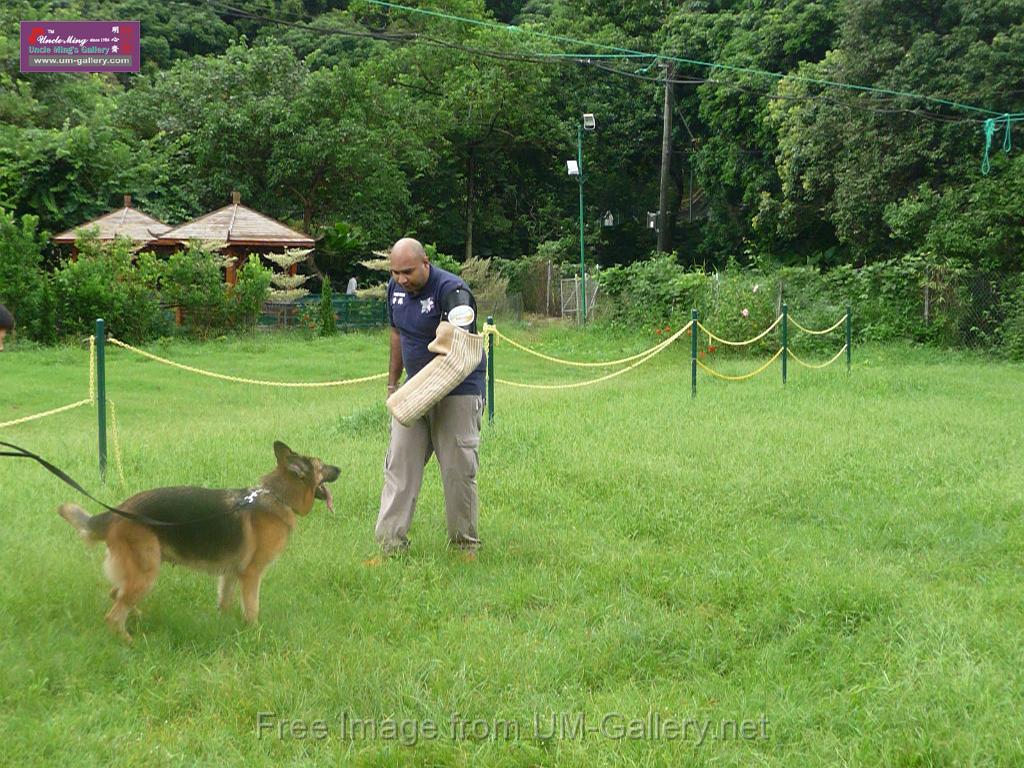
x=823 y=574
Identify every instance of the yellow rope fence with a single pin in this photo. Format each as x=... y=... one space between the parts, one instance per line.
x=116 y=441
x=91 y=400
x=64 y=408
x=44 y=414
x=239 y=379
x=818 y=333
x=489 y=329
x=820 y=365
x=760 y=336
x=92 y=369
x=649 y=354
x=598 y=364
x=745 y=376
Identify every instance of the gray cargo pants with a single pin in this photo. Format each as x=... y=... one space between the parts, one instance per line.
x=451 y=430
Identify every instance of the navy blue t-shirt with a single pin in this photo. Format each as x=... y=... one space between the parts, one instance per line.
x=416 y=316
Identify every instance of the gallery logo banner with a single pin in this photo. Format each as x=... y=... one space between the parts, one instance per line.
x=80 y=46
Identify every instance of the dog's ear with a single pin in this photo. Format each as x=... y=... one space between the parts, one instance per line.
x=298 y=467
x=282 y=452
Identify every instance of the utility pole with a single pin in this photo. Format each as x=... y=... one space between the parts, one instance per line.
x=664 y=227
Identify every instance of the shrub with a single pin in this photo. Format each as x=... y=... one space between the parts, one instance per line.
x=1012 y=330
x=339 y=251
x=654 y=291
x=326 y=320
x=107 y=280
x=887 y=300
x=742 y=305
x=25 y=288
x=537 y=277
x=247 y=296
x=489 y=287
x=192 y=281
x=442 y=260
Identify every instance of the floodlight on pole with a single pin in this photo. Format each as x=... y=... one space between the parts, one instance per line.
x=575 y=168
x=589 y=123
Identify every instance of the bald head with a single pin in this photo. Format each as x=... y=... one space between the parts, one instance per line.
x=410 y=267
x=408 y=246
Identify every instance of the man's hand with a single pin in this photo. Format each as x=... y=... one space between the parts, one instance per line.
x=392 y=388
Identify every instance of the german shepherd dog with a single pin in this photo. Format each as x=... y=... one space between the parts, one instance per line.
x=233 y=533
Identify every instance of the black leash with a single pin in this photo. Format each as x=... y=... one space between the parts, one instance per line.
x=23 y=454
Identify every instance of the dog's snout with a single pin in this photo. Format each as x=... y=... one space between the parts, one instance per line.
x=330 y=473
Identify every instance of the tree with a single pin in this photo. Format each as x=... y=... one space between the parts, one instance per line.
x=846 y=159
x=495 y=122
x=297 y=145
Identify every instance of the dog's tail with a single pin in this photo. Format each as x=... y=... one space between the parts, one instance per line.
x=90 y=528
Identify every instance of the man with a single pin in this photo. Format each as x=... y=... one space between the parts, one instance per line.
x=420 y=295
x=6 y=324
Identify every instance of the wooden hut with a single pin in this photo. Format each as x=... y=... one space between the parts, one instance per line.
x=125 y=222
x=244 y=231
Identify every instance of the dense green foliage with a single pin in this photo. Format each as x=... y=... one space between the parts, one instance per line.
x=108 y=281
x=24 y=287
x=458 y=133
x=327 y=321
x=907 y=297
x=135 y=293
x=192 y=280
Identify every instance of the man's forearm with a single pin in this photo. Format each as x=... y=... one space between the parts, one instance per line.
x=395 y=360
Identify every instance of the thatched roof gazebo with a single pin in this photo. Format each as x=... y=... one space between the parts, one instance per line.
x=242 y=229
x=125 y=222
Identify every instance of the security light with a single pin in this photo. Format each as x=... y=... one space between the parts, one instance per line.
x=589 y=123
x=572 y=167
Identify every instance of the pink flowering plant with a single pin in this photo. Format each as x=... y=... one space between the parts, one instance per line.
x=742 y=306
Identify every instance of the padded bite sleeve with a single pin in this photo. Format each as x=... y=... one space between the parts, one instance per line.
x=458 y=354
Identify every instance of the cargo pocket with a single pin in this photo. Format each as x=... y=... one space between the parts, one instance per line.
x=469 y=454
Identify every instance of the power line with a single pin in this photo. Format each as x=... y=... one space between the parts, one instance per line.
x=583 y=59
x=990 y=124
x=789 y=97
x=695 y=62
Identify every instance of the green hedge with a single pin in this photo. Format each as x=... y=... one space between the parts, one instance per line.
x=131 y=291
x=887 y=301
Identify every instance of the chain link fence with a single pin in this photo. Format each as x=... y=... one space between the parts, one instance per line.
x=981 y=309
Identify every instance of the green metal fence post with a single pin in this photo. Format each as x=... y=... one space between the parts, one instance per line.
x=849 y=337
x=490 y=372
x=693 y=353
x=101 y=394
x=785 y=340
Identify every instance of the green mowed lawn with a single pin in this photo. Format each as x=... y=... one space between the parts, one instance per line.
x=823 y=574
